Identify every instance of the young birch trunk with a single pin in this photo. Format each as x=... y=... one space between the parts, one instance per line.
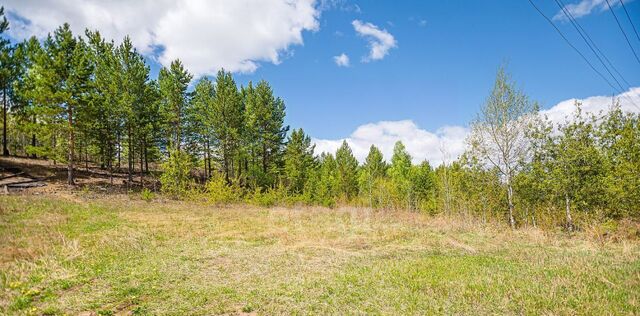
x=512 y=221
x=568 y=212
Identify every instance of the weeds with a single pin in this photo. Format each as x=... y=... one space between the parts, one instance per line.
x=116 y=255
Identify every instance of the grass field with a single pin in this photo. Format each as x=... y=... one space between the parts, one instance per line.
x=81 y=254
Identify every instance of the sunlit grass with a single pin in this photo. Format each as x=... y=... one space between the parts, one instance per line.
x=119 y=255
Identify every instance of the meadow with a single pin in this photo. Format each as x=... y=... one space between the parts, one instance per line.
x=90 y=254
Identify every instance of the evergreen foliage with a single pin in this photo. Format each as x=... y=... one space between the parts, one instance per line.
x=86 y=100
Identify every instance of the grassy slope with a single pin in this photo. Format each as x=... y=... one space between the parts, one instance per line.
x=115 y=255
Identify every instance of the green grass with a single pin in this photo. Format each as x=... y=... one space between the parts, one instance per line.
x=111 y=255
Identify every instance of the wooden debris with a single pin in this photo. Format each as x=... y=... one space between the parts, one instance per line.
x=12 y=176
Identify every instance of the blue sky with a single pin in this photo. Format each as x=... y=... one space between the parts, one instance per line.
x=438 y=73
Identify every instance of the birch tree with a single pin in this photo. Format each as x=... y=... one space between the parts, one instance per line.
x=498 y=137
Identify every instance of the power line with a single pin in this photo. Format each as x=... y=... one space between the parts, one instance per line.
x=623 y=32
x=578 y=51
x=591 y=44
x=594 y=45
x=629 y=18
x=569 y=43
x=580 y=30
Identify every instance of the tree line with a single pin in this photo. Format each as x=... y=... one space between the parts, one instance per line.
x=85 y=100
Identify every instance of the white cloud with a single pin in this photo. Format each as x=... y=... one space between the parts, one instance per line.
x=380 y=41
x=594 y=105
x=341 y=60
x=449 y=142
x=421 y=143
x=583 y=8
x=205 y=34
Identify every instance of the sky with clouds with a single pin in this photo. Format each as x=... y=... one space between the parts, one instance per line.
x=371 y=71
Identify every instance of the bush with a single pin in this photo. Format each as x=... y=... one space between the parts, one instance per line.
x=147 y=195
x=175 y=179
x=219 y=192
x=269 y=197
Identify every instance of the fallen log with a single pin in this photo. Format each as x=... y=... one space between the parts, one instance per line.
x=25 y=181
x=25 y=185
x=11 y=176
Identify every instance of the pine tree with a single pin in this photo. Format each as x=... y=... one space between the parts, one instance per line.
x=265 y=130
x=173 y=83
x=299 y=161
x=23 y=108
x=61 y=79
x=423 y=186
x=372 y=171
x=400 y=174
x=105 y=106
x=228 y=122
x=347 y=171
x=328 y=184
x=134 y=74
x=202 y=120
x=7 y=75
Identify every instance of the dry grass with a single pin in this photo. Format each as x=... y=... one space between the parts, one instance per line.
x=121 y=255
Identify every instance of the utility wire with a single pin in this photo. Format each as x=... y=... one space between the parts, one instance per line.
x=580 y=31
x=577 y=50
x=569 y=43
x=591 y=44
x=629 y=18
x=623 y=32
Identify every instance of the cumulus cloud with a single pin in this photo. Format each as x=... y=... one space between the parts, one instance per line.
x=341 y=60
x=380 y=41
x=422 y=144
x=583 y=8
x=629 y=102
x=449 y=142
x=205 y=34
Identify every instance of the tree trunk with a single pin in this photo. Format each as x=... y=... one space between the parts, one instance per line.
x=33 y=139
x=209 y=158
x=110 y=163
x=146 y=158
x=204 y=161
x=118 y=149
x=130 y=156
x=512 y=221
x=178 y=131
x=142 y=146
x=5 y=151
x=207 y=163
x=102 y=165
x=568 y=212
x=53 y=145
x=264 y=158
x=226 y=165
x=533 y=216
x=71 y=146
x=86 y=157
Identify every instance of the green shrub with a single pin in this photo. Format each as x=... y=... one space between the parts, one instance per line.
x=147 y=195
x=176 y=179
x=219 y=192
x=269 y=197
